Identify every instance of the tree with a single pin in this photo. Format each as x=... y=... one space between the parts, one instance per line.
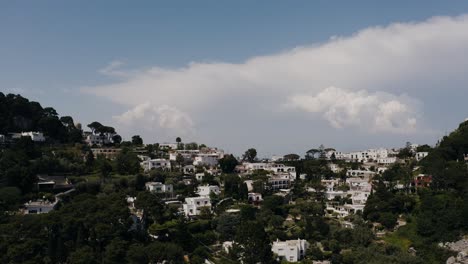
x=136 y=254
x=116 y=139
x=250 y=155
x=89 y=159
x=94 y=126
x=322 y=152
x=180 y=159
x=231 y=186
x=105 y=168
x=311 y=153
x=83 y=255
x=291 y=157
x=50 y=112
x=254 y=243
x=115 y=252
x=67 y=121
x=228 y=163
x=226 y=225
x=191 y=146
x=170 y=252
x=127 y=163
x=388 y=219
x=243 y=192
x=10 y=198
x=137 y=140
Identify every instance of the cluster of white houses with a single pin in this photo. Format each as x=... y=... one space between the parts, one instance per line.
x=35 y=136
x=207 y=157
x=289 y=250
x=380 y=155
x=356 y=189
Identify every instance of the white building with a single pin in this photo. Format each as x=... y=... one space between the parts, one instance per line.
x=331 y=190
x=360 y=173
x=92 y=139
x=277 y=158
x=189 y=169
x=255 y=197
x=204 y=191
x=164 y=164
x=186 y=154
x=159 y=187
x=39 y=207
x=360 y=156
x=334 y=167
x=290 y=250
x=210 y=160
x=381 y=170
x=277 y=182
x=227 y=245
x=358 y=184
x=255 y=166
x=168 y=145
x=35 y=136
x=199 y=176
x=282 y=169
x=421 y=155
x=387 y=160
x=108 y=153
x=193 y=205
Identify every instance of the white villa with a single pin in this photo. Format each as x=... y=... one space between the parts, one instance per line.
x=387 y=160
x=204 y=191
x=159 y=187
x=361 y=156
x=359 y=191
x=421 y=155
x=168 y=145
x=279 y=182
x=290 y=250
x=35 y=136
x=39 y=207
x=193 y=205
x=360 y=173
x=210 y=160
x=331 y=190
x=164 y=164
x=255 y=197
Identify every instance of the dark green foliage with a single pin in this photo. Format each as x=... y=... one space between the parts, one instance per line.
x=250 y=155
x=441 y=216
x=137 y=140
x=18 y=114
x=127 y=162
x=384 y=206
x=254 y=243
x=226 y=225
x=228 y=163
x=232 y=184
x=10 y=198
x=291 y=156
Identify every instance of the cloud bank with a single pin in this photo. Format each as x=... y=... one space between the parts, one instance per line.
x=369 y=82
x=378 y=112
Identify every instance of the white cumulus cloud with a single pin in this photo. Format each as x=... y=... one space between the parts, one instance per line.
x=157 y=118
x=375 y=112
x=370 y=69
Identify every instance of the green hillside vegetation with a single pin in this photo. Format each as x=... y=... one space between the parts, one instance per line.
x=93 y=223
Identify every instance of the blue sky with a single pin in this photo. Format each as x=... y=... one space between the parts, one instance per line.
x=53 y=51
